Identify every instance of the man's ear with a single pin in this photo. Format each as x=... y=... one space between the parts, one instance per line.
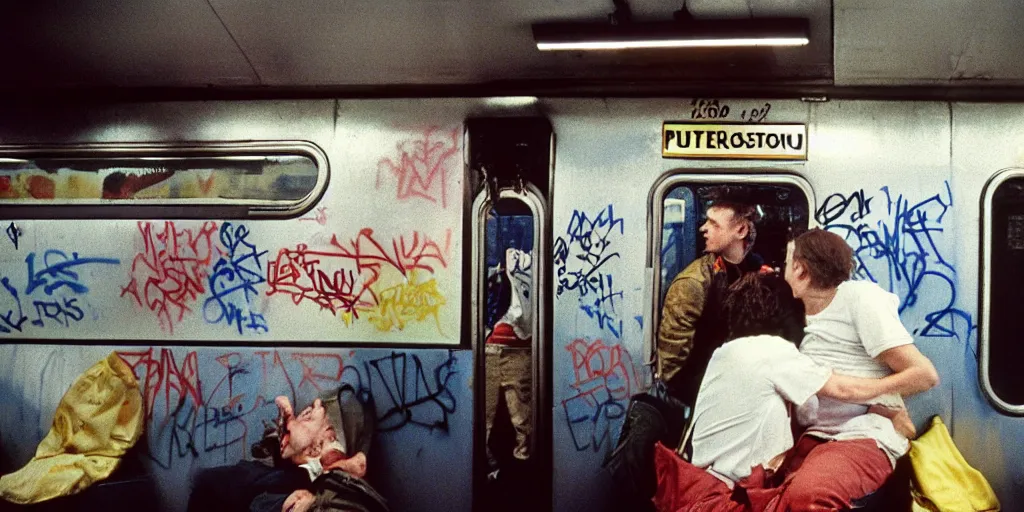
x=799 y=271
x=743 y=228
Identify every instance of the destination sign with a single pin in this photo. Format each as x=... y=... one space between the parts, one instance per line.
x=736 y=141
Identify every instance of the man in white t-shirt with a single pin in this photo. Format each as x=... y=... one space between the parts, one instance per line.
x=742 y=426
x=854 y=328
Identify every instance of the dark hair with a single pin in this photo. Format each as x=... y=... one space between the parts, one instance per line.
x=737 y=200
x=759 y=304
x=827 y=257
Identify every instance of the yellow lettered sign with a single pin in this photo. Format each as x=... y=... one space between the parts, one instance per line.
x=736 y=141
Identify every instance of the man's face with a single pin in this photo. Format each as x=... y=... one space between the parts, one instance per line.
x=306 y=433
x=722 y=230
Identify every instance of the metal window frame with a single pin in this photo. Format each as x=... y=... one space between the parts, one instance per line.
x=984 y=376
x=655 y=207
x=168 y=208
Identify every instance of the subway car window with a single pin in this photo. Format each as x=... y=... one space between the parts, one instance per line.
x=781 y=206
x=1003 y=292
x=272 y=176
x=715 y=229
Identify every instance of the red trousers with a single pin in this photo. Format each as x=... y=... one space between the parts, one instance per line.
x=816 y=475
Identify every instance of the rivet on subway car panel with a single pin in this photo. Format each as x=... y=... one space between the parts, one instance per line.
x=692 y=322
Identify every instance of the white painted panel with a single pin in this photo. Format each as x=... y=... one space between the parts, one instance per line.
x=378 y=259
x=986 y=138
x=881 y=174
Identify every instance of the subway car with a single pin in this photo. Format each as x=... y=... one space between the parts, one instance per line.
x=230 y=252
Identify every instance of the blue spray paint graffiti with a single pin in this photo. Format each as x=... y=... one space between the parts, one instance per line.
x=233 y=282
x=604 y=380
x=59 y=273
x=580 y=256
x=11 y=320
x=900 y=252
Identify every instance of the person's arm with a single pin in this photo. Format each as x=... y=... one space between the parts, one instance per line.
x=856 y=389
x=683 y=305
x=885 y=338
x=913 y=372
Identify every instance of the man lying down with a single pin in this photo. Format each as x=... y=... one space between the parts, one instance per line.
x=312 y=442
x=742 y=431
x=313 y=460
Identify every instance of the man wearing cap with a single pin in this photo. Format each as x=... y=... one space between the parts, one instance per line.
x=329 y=437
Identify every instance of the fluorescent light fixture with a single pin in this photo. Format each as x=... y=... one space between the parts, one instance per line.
x=675 y=34
x=510 y=101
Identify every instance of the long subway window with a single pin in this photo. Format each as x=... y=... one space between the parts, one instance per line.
x=280 y=176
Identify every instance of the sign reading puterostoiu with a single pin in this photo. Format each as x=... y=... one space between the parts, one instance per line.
x=734 y=141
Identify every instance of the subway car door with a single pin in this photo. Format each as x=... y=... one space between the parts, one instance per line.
x=510 y=161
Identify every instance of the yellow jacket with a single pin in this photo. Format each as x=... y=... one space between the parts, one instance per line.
x=97 y=421
x=683 y=306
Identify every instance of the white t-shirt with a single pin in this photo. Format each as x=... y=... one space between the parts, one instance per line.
x=741 y=418
x=861 y=322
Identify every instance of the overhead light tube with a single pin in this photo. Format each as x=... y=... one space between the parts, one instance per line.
x=693 y=34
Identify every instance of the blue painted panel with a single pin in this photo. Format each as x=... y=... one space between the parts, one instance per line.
x=206 y=406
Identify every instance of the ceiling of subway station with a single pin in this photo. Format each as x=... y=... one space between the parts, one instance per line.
x=337 y=43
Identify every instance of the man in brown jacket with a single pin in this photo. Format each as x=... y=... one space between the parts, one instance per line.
x=692 y=323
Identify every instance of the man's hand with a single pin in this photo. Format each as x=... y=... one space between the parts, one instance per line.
x=356 y=465
x=899 y=417
x=299 y=501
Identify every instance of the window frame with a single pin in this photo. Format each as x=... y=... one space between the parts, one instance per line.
x=655 y=225
x=168 y=208
x=985 y=307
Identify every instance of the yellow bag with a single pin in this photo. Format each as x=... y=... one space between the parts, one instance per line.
x=943 y=480
x=96 y=422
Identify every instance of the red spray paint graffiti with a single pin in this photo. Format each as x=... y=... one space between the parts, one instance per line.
x=186 y=415
x=320 y=216
x=163 y=376
x=605 y=379
x=340 y=278
x=170 y=272
x=422 y=164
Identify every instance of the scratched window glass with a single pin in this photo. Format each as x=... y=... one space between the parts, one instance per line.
x=782 y=208
x=1006 y=292
x=158 y=179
